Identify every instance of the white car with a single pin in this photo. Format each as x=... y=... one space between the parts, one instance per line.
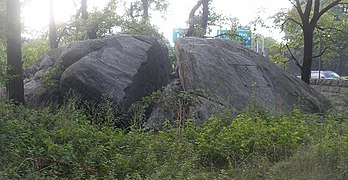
x=324 y=75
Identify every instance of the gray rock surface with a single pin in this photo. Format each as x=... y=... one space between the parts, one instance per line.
x=178 y=105
x=167 y=107
x=125 y=68
x=36 y=95
x=238 y=78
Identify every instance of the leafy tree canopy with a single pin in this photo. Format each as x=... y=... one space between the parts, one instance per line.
x=140 y=8
x=330 y=36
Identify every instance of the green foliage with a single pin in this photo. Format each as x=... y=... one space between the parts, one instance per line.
x=2 y=21
x=234 y=142
x=172 y=58
x=232 y=24
x=132 y=26
x=325 y=158
x=136 y=10
x=278 y=54
x=65 y=144
x=175 y=103
x=33 y=50
x=50 y=81
x=107 y=22
x=138 y=110
x=103 y=21
x=3 y=57
x=330 y=35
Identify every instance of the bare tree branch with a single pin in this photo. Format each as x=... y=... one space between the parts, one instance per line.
x=318 y=14
x=333 y=29
x=219 y=35
x=293 y=57
x=321 y=53
x=316 y=6
x=293 y=3
x=308 y=8
x=298 y=8
x=328 y=7
x=293 y=20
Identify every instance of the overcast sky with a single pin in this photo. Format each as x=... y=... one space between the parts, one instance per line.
x=36 y=16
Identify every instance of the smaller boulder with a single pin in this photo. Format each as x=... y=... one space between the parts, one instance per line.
x=125 y=68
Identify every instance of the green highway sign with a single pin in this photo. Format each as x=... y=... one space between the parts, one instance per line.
x=243 y=32
x=178 y=33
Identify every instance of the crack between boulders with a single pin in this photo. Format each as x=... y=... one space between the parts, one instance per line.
x=152 y=44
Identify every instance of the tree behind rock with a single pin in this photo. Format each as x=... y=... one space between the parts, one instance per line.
x=15 y=88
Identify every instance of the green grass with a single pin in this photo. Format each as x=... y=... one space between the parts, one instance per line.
x=67 y=144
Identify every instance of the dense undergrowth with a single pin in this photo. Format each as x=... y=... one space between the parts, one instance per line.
x=66 y=144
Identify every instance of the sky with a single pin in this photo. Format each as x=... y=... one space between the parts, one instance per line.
x=35 y=16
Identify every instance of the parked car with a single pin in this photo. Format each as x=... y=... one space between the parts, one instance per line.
x=324 y=75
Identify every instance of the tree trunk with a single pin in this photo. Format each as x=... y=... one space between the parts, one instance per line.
x=310 y=18
x=52 y=28
x=84 y=12
x=92 y=32
x=131 y=11
x=145 y=10
x=307 y=54
x=191 y=29
x=91 y=28
x=15 y=89
x=205 y=16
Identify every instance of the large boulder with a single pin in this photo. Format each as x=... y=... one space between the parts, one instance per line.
x=125 y=68
x=237 y=78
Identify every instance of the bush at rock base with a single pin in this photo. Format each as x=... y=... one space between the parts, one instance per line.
x=42 y=144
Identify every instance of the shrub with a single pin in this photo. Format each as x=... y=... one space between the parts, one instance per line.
x=233 y=142
x=66 y=144
x=34 y=49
